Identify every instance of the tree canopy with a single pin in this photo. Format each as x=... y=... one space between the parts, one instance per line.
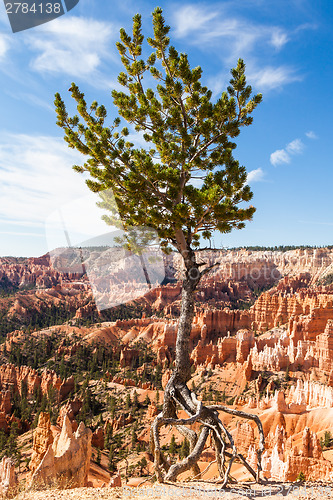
x=186 y=182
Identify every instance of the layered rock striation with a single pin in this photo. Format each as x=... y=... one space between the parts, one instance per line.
x=67 y=460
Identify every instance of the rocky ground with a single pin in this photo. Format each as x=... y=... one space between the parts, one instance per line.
x=195 y=491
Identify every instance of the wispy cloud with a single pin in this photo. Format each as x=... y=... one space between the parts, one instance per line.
x=5 y=44
x=241 y=37
x=281 y=156
x=295 y=147
x=38 y=183
x=71 y=46
x=311 y=135
x=271 y=78
x=255 y=175
x=21 y=233
x=238 y=34
x=35 y=177
x=279 y=38
x=190 y=18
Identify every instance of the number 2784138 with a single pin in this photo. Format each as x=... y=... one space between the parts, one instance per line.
x=35 y=8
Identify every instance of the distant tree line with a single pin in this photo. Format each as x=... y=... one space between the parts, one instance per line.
x=279 y=248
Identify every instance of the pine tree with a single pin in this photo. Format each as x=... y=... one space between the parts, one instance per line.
x=301 y=477
x=134 y=438
x=128 y=402
x=287 y=376
x=184 y=186
x=135 y=401
x=185 y=449
x=111 y=464
x=173 y=445
x=327 y=439
x=142 y=464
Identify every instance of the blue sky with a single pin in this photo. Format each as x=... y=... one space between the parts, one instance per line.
x=287 y=48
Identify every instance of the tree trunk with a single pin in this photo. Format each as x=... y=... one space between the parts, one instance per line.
x=183 y=365
x=178 y=394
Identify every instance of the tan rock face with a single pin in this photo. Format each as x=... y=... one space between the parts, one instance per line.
x=42 y=438
x=152 y=410
x=8 y=479
x=71 y=409
x=285 y=462
x=98 y=438
x=5 y=403
x=66 y=462
x=12 y=378
x=244 y=436
x=115 y=481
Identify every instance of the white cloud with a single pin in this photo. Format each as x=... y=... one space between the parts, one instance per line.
x=236 y=37
x=70 y=45
x=36 y=179
x=311 y=135
x=271 y=78
x=279 y=156
x=295 y=147
x=4 y=45
x=279 y=38
x=190 y=18
x=239 y=36
x=255 y=175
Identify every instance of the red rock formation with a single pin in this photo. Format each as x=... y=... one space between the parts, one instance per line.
x=5 y=403
x=152 y=411
x=127 y=355
x=121 y=421
x=286 y=462
x=42 y=439
x=98 y=438
x=243 y=436
x=8 y=478
x=12 y=378
x=66 y=462
x=71 y=409
x=245 y=342
x=115 y=482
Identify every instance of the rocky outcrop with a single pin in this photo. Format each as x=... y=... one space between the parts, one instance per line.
x=285 y=461
x=98 y=438
x=8 y=478
x=13 y=378
x=127 y=355
x=115 y=482
x=42 y=439
x=120 y=422
x=152 y=411
x=243 y=436
x=71 y=409
x=278 y=403
x=311 y=394
x=5 y=403
x=262 y=267
x=66 y=462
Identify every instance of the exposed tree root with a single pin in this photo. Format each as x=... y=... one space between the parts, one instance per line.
x=178 y=394
x=205 y=470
